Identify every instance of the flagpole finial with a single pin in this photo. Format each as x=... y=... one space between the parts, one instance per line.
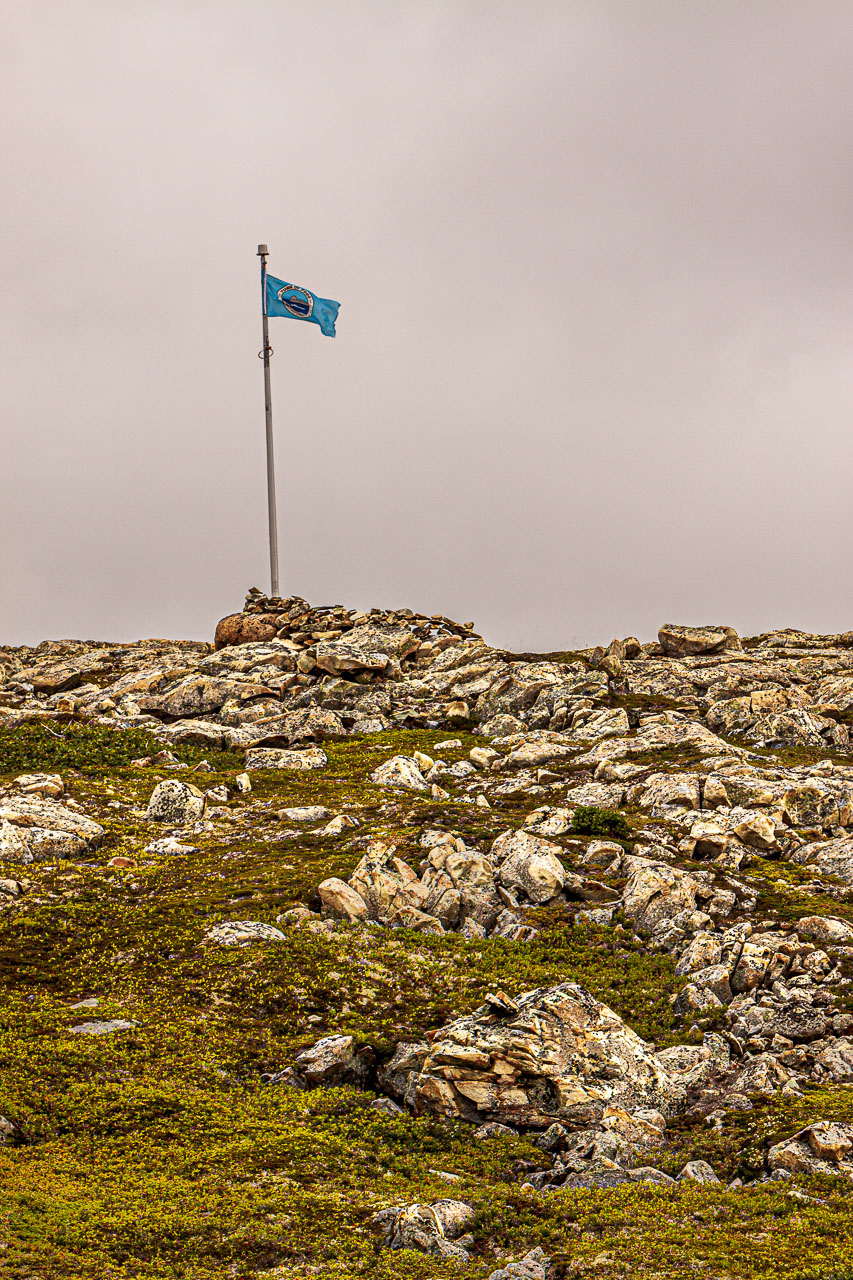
x=262 y=250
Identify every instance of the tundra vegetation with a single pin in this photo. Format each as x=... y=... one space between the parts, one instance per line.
x=350 y=946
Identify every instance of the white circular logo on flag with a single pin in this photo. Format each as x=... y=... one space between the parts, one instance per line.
x=298 y=301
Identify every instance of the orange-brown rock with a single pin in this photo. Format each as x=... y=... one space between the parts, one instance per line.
x=244 y=628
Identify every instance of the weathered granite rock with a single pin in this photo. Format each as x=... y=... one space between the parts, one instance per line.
x=32 y=828
x=335 y=1061
x=530 y=864
x=340 y=901
x=827 y=930
x=559 y=1055
x=176 y=802
x=399 y=771
x=399 y=1076
x=49 y=785
x=239 y=933
x=697 y=1171
x=429 y=1228
x=656 y=892
x=683 y=641
x=271 y=758
x=531 y=1267
x=822 y=1147
x=834 y=857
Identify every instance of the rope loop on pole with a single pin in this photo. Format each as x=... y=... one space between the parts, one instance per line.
x=263 y=351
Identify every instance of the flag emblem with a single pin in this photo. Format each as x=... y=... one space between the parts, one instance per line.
x=291 y=300
x=296 y=300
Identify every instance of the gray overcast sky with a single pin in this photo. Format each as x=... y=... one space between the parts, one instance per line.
x=593 y=366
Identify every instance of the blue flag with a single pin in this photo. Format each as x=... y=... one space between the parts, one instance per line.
x=300 y=304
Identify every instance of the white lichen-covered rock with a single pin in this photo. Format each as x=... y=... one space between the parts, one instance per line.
x=681 y=642
x=529 y=863
x=656 y=892
x=178 y=803
x=239 y=933
x=429 y=1228
x=400 y=771
x=33 y=828
x=334 y=1061
x=273 y=758
x=554 y=1054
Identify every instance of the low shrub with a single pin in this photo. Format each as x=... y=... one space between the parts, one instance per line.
x=590 y=820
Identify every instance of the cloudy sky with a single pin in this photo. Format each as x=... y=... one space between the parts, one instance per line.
x=594 y=363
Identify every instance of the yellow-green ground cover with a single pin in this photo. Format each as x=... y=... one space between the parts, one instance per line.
x=161 y=1152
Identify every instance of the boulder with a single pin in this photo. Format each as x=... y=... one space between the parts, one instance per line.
x=833 y=857
x=271 y=758
x=176 y=802
x=386 y=883
x=530 y=864
x=399 y=1077
x=680 y=642
x=531 y=1267
x=40 y=784
x=429 y=1228
x=340 y=901
x=34 y=828
x=399 y=771
x=656 y=892
x=697 y=1171
x=827 y=930
x=340 y=655
x=335 y=1061
x=239 y=933
x=199 y=695
x=304 y=813
x=555 y=1054
x=823 y=1147
x=243 y=628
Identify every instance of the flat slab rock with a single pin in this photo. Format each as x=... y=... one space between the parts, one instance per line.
x=239 y=933
x=270 y=758
x=103 y=1028
x=679 y=642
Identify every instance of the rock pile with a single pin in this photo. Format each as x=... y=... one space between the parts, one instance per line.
x=555 y=1055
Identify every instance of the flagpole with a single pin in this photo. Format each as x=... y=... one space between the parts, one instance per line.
x=266 y=353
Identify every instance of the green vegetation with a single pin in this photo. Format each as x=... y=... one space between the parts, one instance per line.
x=160 y=1152
x=90 y=748
x=590 y=820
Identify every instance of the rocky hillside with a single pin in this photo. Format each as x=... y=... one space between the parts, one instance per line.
x=350 y=946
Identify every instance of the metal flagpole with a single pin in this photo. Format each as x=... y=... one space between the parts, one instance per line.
x=266 y=353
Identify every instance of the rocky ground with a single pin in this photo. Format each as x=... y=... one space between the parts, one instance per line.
x=350 y=946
